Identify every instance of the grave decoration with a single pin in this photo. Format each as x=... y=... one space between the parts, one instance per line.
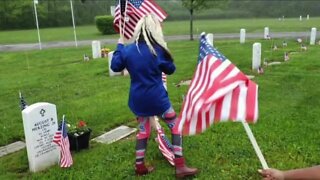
x=86 y=57
x=275 y=47
x=104 y=52
x=79 y=135
x=286 y=56
x=303 y=47
x=260 y=70
x=299 y=40
x=284 y=44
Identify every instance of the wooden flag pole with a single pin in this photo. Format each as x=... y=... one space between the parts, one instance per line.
x=120 y=23
x=255 y=145
x=74 y=24
x=35 y=2
x=124 y=19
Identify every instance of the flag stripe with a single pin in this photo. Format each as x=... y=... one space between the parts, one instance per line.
x=234 y=104
x=252 y=102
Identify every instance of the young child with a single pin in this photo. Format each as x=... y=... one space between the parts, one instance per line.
x=145 y=60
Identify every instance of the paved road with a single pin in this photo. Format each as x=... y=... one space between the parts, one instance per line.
x=32 y=46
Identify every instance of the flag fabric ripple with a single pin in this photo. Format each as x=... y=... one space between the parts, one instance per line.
x=219 y=91
x=131 y=11
x=62 y=140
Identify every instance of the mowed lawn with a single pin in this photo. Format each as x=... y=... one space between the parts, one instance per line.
x=287 y=130
x=90 y=32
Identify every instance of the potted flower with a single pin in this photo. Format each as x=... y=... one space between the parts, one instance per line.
x=79 y=136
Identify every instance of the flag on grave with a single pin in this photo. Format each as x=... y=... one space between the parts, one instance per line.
x=219 y=91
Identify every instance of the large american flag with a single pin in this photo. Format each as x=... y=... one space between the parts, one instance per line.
x=131 y=11
x=219 y=91
x=62 y=140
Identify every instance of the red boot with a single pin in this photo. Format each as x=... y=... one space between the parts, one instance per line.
x=182 y=170
x=141 y=169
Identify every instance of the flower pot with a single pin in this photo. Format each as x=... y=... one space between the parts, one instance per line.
x=79 y=142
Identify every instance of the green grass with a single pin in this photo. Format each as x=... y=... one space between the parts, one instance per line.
x=51 y=35
x=287 y=129
x=170 y=28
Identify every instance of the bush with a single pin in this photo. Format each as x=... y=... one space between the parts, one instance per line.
x=105 y=24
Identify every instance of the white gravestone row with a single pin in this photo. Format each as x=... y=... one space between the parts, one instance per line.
x=266 y=33
x=242 y=36
x=313 y=36
x=96 y=49
x=112 y=73
x=112 y=10
x=209 y=37
x=256 y=56
x=40 y=124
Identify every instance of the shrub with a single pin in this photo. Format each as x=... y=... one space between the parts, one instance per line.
x=105 y=24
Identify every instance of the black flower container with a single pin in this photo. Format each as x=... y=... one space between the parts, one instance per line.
x=79 y=142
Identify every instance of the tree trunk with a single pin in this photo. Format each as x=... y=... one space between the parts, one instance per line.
x=191 y=24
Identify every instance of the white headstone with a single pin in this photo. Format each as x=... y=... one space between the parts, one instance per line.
x=209 y=37
x=300 y=18
x=242 y=36
x=313 y=36
x=112 y=73
x=125 y=72
x=256 y=56
x=308 y=17
x=112 y=10
x=266 y=33
x=96 y=49
x=40 y=124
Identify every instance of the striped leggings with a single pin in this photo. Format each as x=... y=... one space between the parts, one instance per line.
x=143 y=135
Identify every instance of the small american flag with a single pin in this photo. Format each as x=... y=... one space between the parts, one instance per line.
x=62 y=140
x=23 y=103
x=165 y=146
x=131 y=11
x=219 y=91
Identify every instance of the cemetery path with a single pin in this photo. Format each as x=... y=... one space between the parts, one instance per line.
x=33 y=46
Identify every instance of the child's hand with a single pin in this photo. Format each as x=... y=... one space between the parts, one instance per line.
x=121 y=39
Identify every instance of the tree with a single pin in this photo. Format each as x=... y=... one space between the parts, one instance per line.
x=193 y=5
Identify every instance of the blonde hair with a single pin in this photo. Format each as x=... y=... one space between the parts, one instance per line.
x=150 y=28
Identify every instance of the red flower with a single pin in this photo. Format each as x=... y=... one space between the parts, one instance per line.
x=81 y=124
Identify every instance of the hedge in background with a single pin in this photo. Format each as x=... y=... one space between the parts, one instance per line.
x=105 y=24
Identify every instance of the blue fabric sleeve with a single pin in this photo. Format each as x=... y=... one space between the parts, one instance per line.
x=118 y=59
x=165 y=65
